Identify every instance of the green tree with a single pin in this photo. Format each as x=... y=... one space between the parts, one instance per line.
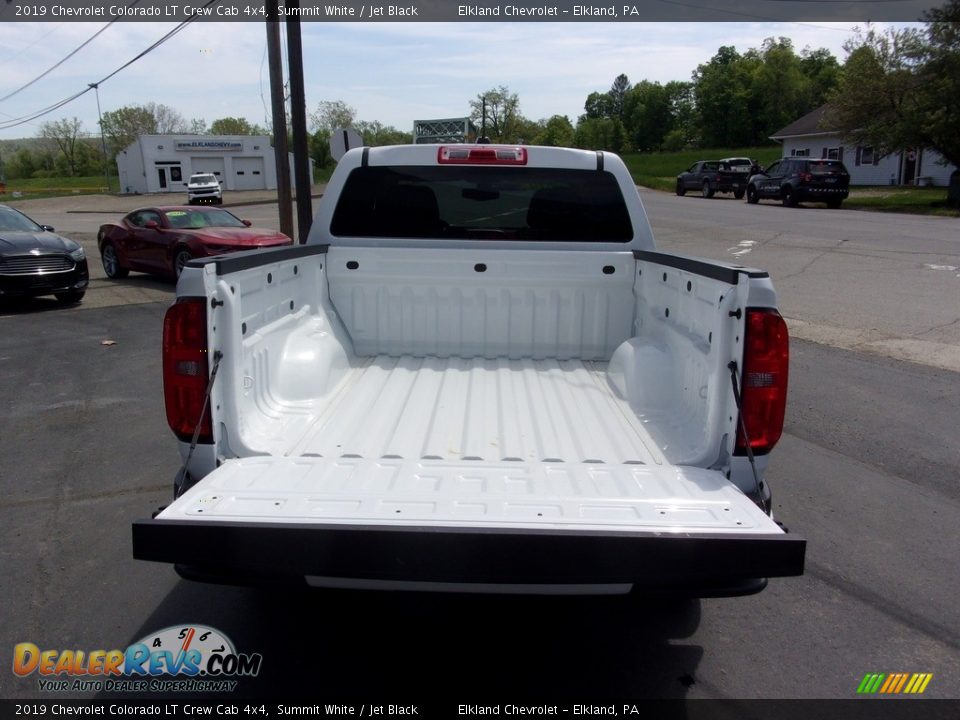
x=822 y=72
x=900 y=87
x=779 y=88
x=89 y=157
x=617 y=94
x=124 y=125
x=724 y=99
x=319 y=148
x=64 y=136
x=23 y=164
x=331 y=115
x=683 y=110
x=503 y=119
x=598 y=105
x=941 y=90
x=231 y=126
x=375 y=133
x=601 y=134
x=648 y=115
x=168 y=121
x=45 y=164
x=557 y=132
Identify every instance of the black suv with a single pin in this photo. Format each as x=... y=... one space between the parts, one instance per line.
x=795 y=180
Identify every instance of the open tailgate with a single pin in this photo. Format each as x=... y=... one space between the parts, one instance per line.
x=447 y=521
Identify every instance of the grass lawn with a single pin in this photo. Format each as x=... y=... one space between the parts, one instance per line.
x=31 y=188
x=659 y=170
x=913 y=200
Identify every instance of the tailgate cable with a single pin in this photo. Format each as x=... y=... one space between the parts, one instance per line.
x=180 y=482
x=734 y=380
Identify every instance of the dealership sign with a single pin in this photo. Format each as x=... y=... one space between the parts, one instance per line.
x=209 y=145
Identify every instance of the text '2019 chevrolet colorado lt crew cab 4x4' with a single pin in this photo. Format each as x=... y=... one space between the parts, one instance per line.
x=478 y=373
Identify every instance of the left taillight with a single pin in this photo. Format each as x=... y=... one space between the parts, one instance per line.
x=185 y=369
x=763 y=386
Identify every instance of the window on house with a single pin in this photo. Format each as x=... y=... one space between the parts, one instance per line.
x=833 y=153
x=800 y=152
x=866 y=156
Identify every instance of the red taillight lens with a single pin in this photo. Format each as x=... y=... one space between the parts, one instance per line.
x=764 y=382
x=185 y=369
x=481 y=155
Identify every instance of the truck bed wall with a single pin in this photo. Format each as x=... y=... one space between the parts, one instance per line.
x=492 y=304
x=300 y=326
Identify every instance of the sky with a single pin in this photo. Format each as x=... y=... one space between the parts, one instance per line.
x=391 y=72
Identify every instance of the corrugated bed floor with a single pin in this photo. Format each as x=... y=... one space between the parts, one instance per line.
x=478 y=409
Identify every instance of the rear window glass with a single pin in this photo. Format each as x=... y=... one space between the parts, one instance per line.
x=825 y=167
x=493 y=203
x=737 y=165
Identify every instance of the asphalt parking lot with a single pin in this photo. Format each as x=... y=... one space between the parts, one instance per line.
x=867 y=471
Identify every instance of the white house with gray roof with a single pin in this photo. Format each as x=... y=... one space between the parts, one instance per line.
x=811 y=137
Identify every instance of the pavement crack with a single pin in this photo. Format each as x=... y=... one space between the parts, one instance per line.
x=941 y=326
x=806 y=266
x=59 y=501
x=935 y=631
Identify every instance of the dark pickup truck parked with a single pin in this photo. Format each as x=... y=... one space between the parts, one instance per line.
x=713 y=176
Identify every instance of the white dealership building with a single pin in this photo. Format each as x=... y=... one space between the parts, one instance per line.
x=164 y=163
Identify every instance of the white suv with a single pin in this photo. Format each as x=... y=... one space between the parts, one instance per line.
x=204 y=188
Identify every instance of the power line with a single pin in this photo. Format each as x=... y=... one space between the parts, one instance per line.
x=56 y=106
x=61 y=62
x=18 y=51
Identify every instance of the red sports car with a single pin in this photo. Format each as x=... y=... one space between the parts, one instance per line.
x=161 y=240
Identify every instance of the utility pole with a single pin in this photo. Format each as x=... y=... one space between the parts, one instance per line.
x=298 y=118
x=483 y=121
x=284 y=200
x=103 y=139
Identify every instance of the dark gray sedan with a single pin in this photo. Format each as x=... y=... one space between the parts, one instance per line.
x=36 y=261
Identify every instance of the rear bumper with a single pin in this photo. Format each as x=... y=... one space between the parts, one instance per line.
x=821 y=193
x=497 y=556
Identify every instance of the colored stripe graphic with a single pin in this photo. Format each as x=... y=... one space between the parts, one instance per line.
x=918 y=683
x=894 y=683
x=870 y=683
x=903 y=680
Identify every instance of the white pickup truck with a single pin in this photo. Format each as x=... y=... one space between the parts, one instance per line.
x=477 y=374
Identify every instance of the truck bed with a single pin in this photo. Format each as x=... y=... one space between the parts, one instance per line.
x=478 y=409
x=478 y=374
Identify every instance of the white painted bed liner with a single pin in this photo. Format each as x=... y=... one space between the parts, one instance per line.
x=444 y=413
x=505 y=526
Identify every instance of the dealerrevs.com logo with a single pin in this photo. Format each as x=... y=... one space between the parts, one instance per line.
x=179 y=658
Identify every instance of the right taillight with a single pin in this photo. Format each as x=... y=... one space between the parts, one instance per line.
x=763 y=386
x=185 y=369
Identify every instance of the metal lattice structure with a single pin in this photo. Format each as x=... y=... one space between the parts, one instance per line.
x=448 y=130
